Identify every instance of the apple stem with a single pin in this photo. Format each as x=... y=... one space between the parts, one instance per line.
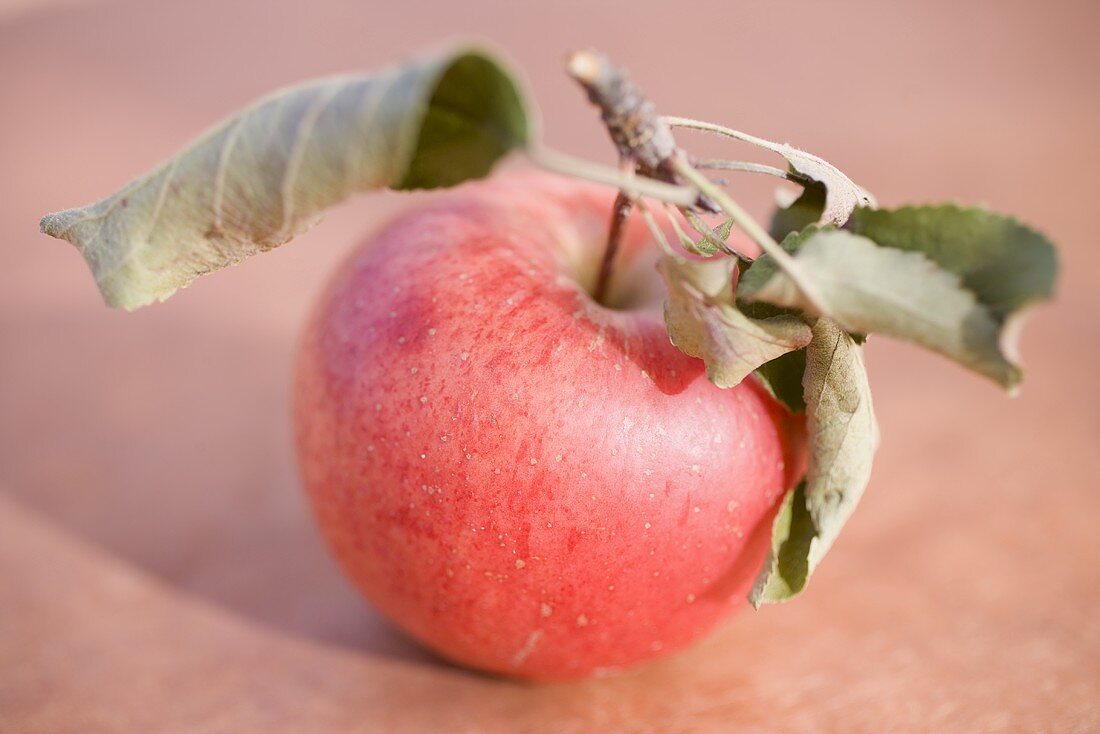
x=620 y=211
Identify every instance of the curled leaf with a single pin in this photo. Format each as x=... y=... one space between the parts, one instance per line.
x=265 y=175
x=703 y=322
x=843 y=437
x=787 y=567
x=867 y=288
x=842 y=194
x=843 y=434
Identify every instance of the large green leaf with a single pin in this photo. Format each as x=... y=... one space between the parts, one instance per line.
x=265 y=175
x=843 y=437
x=1007 y=265
x=945 y=278
x=867 y=288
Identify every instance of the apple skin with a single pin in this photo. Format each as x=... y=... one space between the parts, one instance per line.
x=528 y=482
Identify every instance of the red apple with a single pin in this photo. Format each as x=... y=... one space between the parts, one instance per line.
x=525 y=480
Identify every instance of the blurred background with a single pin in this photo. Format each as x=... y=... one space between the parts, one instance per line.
x=158 y=567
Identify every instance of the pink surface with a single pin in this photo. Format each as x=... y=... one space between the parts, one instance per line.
x=158 y=565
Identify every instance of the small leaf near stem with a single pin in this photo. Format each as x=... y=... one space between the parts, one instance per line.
x=703 y=247
x=716 y=238
x=742 y=219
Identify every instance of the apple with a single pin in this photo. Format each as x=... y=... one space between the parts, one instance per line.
x=525 y=480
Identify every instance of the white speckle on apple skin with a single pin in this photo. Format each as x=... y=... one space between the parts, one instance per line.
x=528 y=647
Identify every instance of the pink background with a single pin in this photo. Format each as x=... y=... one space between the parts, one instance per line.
x=158 y=569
